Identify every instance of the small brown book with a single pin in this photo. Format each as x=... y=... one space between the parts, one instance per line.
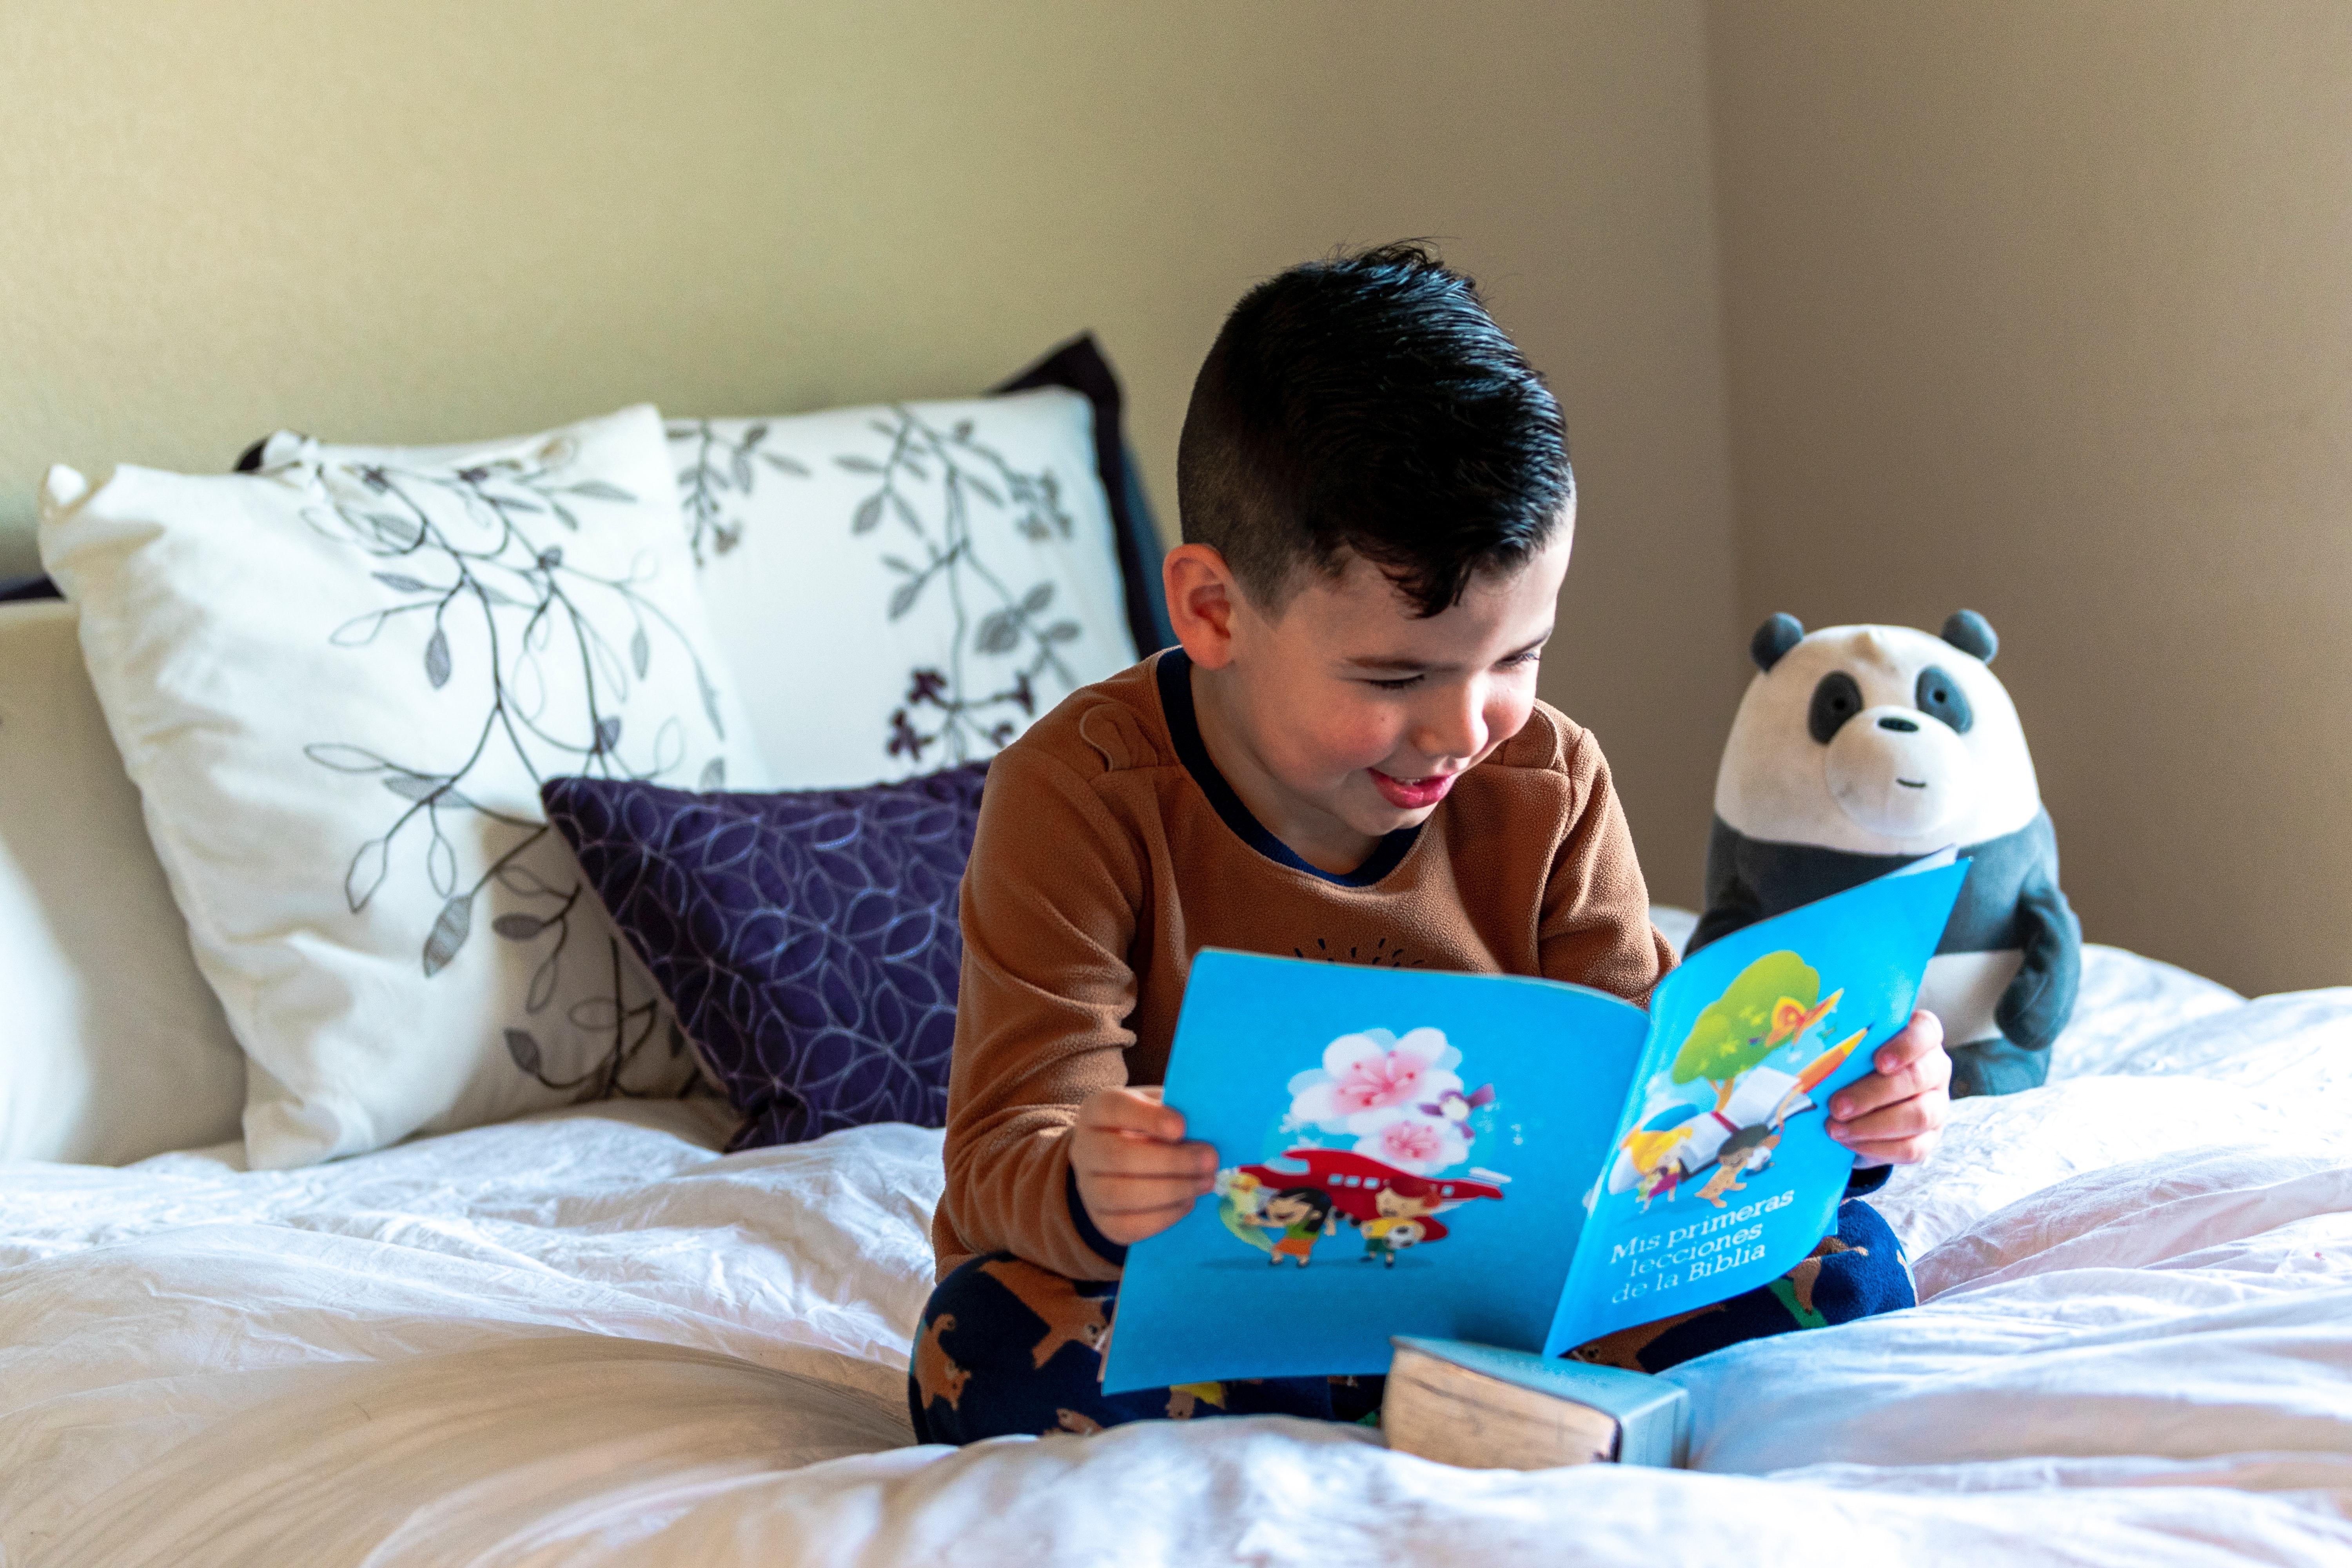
x=1485 y=1408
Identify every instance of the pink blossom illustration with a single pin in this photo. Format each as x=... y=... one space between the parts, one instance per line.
x=1408 y=1139
x=1372 y=1071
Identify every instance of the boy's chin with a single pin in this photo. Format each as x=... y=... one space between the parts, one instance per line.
x=1377 y=819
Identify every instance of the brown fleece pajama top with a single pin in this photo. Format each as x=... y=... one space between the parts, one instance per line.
x=1110 y=850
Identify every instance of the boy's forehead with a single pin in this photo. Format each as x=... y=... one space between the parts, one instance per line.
x=1360 y=614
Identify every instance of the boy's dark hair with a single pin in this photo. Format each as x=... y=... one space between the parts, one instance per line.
x=1370 y=405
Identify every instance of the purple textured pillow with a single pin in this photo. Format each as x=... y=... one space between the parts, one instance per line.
x=808 y=941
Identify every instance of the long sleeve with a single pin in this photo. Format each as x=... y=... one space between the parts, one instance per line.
x=1105 y=860
x=1595 y=924
x=1050 y=901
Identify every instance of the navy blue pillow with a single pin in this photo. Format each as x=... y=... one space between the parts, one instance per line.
x=809 y=941
x=13 y=589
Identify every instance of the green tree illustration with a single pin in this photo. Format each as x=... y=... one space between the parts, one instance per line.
x=1735 y=1032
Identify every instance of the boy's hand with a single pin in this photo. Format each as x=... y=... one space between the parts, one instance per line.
x=1136 y=1173
x=1896 y=1116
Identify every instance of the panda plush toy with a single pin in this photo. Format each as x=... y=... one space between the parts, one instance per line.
x=1859 y=749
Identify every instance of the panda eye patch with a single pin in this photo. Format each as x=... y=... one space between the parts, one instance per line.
x=1939 y=696
x=1836 y=699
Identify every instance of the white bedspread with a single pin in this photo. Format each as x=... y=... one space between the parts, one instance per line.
x=587 y=1337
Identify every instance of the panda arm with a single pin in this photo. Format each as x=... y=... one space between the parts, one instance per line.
x=2040 y=1000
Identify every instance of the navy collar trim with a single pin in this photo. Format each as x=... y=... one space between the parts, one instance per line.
x=1174 y=676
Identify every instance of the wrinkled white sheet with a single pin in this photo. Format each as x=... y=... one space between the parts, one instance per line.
x=589 y=1339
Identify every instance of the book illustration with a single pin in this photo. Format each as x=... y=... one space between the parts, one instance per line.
x=1532 y=1165
x=1410 y=1130
x=1748 y=1063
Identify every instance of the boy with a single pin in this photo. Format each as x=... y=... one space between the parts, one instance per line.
x=1345 y=760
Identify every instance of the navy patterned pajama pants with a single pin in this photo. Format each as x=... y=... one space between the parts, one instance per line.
x=1008 y=1347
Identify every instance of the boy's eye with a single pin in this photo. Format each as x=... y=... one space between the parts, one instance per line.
x=1519 y=660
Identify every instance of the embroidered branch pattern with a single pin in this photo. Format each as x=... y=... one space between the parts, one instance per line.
x=561 y=648
x=939 y=493
x=722 y=466
x=631 y=1026
x=990 y=621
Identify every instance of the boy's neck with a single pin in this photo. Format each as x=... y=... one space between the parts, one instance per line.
x=1322 y=840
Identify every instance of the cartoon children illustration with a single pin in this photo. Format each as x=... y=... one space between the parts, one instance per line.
x=1303 y=1216
x=1407 y=1197
x=1244 y=1188
x=1663 y=1177
x=1455 y=1106
x=1749 y=1149
x=1400 y=1208
x=1753 y=1101
x=1384 y=1239
x=1296 y=1209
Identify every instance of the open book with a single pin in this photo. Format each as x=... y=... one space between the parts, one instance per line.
x=1513 y=1162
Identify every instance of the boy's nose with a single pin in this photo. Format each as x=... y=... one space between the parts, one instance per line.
x=1455 y=730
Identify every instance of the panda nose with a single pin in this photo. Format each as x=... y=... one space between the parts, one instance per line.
x=1901 y=726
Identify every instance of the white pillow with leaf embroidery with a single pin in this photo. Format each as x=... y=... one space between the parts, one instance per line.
x=914 y=583
x=338 y=683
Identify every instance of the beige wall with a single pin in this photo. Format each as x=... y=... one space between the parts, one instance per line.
x=417 y=221
x=2036 y=307
x=2047 y=309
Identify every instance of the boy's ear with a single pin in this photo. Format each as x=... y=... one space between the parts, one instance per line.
x=1202 y=597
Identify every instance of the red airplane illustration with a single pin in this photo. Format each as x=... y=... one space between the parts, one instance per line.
x=1355 y=1181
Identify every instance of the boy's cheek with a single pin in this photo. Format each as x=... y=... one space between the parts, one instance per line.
x=1346 y=719
x=1341 y=739
x=1510 y=716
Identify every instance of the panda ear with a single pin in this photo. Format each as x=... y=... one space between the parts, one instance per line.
x=1971 y=634
x=1774 y=638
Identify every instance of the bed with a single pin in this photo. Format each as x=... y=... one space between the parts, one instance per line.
x=542 y=1333
x=588 y=1337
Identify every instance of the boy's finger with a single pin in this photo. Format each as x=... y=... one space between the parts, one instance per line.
x=1896 y=1152
x=1865 y=1095
x=1917 y=1040
x=1925 y=1074
x=1905 y=1119
x=1128 y=1110
x=1140 y=1195
x=1128 y=1156
x=1912 y=1061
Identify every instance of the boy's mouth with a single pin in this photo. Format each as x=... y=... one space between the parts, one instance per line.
x=1411 y=795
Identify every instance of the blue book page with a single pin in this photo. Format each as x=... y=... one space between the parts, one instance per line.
x=1401 y=1152
x=1722 y=1175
